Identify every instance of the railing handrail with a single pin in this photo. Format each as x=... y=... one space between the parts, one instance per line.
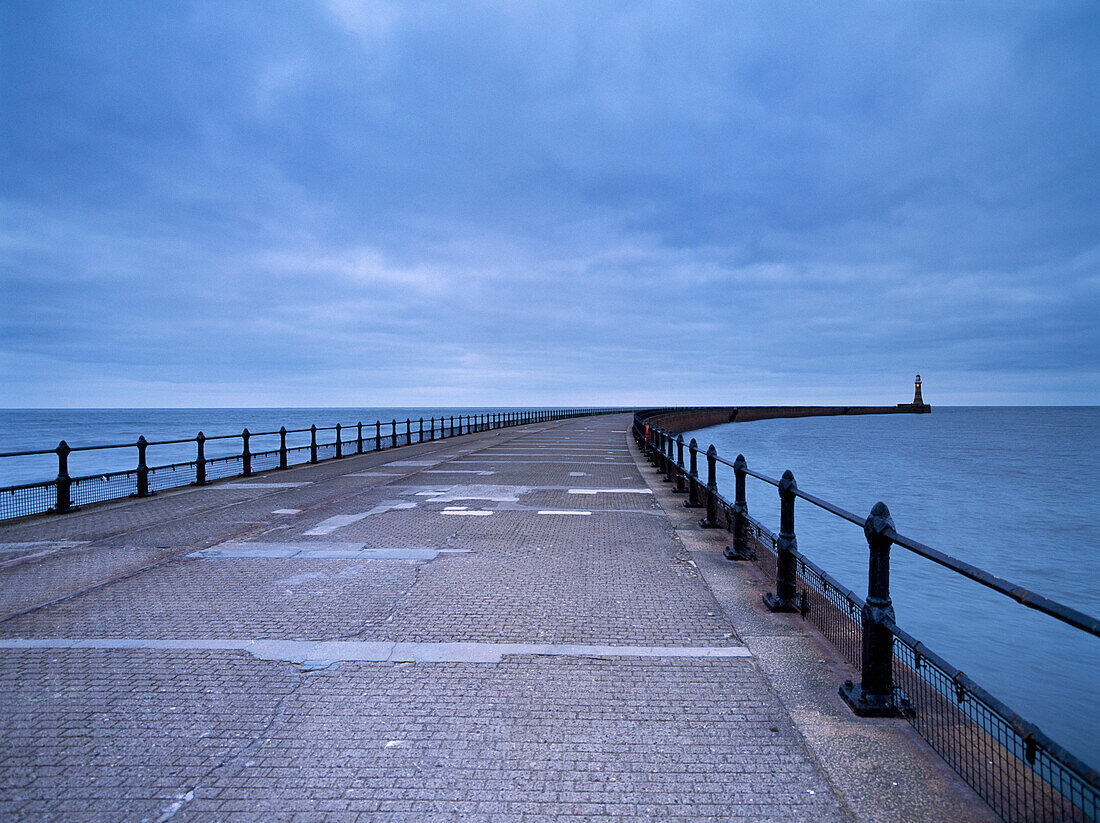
x=881 y=638
x=1020 y=594
x=382 y=434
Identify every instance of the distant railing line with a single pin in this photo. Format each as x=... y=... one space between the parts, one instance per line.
x=66 y=493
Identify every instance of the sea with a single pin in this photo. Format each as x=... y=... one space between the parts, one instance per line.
x=1013 y=490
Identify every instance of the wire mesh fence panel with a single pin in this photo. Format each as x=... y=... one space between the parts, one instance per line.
x=172 y=476
x=1020 y=779
x=85 y=490
x=262 y=461
x=19 y=501
x=222 y=467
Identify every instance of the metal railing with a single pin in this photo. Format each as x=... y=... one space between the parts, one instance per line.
x=66 y=492
x=1016 y=768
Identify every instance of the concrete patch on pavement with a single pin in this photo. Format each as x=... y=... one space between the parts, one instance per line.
x=339 y=521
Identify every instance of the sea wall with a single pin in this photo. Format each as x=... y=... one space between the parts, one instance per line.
x=685 y=419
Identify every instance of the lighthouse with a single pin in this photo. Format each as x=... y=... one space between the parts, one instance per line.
x=917 y=399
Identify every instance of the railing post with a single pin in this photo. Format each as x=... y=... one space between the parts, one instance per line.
x=431 y=429
x=313 y=443
x=378 y=435
x=142 y=468
x=200 y=460
x=246 y=455
x=339 y=446
x=874 y=697
x=421 y=438
x=693 y=477
x=740 y=512
x=680 y=464
x=452 y=434
x=359 y=439
x=64 y=482
x=711 y=520
x=282 y=447
x=670 y=464
x=785 y=597
x=408 y=432
x=393 y=434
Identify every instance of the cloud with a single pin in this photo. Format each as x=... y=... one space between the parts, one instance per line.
x=545 y=202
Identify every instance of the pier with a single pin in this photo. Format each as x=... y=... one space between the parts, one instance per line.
x=521 y=622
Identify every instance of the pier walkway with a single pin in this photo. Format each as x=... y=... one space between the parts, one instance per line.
x=516 y=624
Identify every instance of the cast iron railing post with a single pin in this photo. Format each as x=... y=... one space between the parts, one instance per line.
x=421 y=437
x=670 y=464
x=740 y=512
x=393 y=434
x=711 y=520
x=200 y=460
x=339 y=447
x=693 y=477
x=282 y=447
x=64 y=482
x=359 y=439
x=408 y=432
x=680 y=464
x=142 y=468
x=874 y=697
x=313 y=443
x=785 y=597
x=431 y=430
x=246 y=455
x=378 y=435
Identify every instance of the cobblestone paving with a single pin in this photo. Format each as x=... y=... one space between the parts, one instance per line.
x=188 y=734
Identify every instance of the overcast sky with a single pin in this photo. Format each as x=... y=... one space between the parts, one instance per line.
x=342 y=203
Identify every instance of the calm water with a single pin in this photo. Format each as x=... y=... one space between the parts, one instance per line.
x=1012 y=490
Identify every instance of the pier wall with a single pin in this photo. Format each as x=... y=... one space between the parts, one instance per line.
x=686 y=419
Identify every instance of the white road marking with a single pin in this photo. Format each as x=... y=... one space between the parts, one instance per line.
x=286 y=511
x=610 y=491
x=262 y=485
x=300 y=651
x=563 y=511
x=473 y=512
x=481 y=472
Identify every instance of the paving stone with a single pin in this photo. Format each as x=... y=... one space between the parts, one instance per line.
x=185 y=733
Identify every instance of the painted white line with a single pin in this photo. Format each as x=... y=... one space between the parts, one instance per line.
x=610 y=491
x=286 y=511
x=263 y=485
x=481 y=472
x=578 y=474
x=373 y=474
x=300 y=651
x=412 y=463
x=474 y=513
x=563 y=511
x=542 y=462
